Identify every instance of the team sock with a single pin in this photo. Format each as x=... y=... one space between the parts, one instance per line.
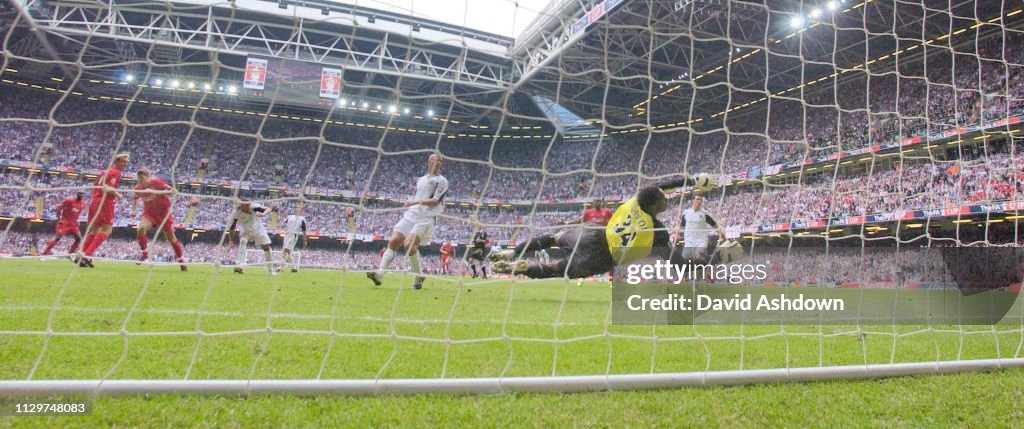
x=96 y=242
x=385 y=261
x=269 y=260
x=176 y=245
x=88 y=241
x=414 y=262
x=49 y=247
x=242 y=244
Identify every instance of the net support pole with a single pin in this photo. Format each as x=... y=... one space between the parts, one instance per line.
x=476 y=386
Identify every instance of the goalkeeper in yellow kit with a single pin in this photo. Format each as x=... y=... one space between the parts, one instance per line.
x=633 y=232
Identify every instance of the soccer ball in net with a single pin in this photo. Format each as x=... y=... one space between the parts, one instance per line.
x=729 y=251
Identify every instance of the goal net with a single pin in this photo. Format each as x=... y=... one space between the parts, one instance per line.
x=864 y=151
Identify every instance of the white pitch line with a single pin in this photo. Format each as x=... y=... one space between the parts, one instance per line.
x=299 y=316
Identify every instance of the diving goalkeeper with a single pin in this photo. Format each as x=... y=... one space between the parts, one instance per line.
x=633 y=232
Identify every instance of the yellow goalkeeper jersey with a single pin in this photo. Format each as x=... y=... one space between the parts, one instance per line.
x=630 y=233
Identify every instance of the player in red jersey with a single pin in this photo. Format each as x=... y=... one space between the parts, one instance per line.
x=156 y=213
x=598 y=215
x=446 y=253
x=101 y=208
x=68 y=212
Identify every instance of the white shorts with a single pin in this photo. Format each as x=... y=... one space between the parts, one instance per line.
x=289 y=241
x=423 y=228
x=697 y=255
x=258 y=236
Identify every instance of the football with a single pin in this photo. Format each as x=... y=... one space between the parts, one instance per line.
x=704 y=181
x=729 y=251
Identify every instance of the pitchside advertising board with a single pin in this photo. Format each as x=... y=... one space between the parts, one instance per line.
x=593 y=15
x=296 y=81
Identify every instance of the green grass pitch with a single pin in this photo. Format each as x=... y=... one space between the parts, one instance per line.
x=454 y=328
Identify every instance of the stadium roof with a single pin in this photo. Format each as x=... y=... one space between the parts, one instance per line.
x=669 y=62
x=506 y=18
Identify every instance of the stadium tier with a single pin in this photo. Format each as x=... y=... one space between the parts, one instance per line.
x=950 y=176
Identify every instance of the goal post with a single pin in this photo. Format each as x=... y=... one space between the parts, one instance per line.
x=493 y=386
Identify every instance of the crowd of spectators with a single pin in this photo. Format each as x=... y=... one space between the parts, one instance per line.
x=950 y=90
x=974 y=176
x=884 y=267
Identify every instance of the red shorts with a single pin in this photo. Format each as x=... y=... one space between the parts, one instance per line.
x=444 y=259
x=158 y=218
x=104 y=215
x=69 y=228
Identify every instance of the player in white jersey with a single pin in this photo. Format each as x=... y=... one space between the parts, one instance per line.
x=249 y=217
x=294 y=226
x=417 y=223
x=697 y=224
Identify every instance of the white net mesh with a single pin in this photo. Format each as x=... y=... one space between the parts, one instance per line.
x=255 y=257
x=835 y=124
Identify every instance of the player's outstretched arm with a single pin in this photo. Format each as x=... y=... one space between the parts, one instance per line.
x=676 y=183
x=702 y=180
x=669 y=185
